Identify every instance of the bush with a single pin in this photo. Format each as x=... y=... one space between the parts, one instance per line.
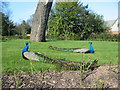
x=70 y=36
x=103 y=37
x=93 y=37
x=14 y=37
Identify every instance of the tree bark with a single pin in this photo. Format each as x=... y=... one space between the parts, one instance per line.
x=40 y=20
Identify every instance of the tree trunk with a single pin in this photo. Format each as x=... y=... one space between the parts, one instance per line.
x=40 y=20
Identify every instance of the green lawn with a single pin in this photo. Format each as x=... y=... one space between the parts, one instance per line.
x=105 y=53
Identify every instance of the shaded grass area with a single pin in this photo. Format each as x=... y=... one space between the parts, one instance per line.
x=105 y=53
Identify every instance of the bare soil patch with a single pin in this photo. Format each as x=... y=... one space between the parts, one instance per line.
x=102 y=77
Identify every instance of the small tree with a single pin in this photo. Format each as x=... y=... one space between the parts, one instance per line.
x=7 y=26
x=23 y=28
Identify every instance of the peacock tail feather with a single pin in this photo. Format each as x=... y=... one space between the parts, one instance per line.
x=77 y=50
x=63 y=49
x=70 y=65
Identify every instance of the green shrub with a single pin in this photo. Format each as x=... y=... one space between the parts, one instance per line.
x=103 y=37
x=69 y=36
x=100 y=37
x=13 y=37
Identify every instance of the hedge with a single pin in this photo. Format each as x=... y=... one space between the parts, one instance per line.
x=100 y=37
x=103 y=37
x=13 y=37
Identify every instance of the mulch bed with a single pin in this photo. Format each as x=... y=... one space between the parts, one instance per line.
x=102 y=77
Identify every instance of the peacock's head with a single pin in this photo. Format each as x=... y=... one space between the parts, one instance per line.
x=26 y=43
x=90 y=42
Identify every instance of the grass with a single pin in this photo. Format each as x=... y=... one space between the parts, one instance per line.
x=105 y=52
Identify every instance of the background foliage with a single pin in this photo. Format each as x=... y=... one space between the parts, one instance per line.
x=72 y=20
x=67 y=21
x=9 y=28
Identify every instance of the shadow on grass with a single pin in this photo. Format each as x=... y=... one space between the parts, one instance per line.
x=3 y=40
